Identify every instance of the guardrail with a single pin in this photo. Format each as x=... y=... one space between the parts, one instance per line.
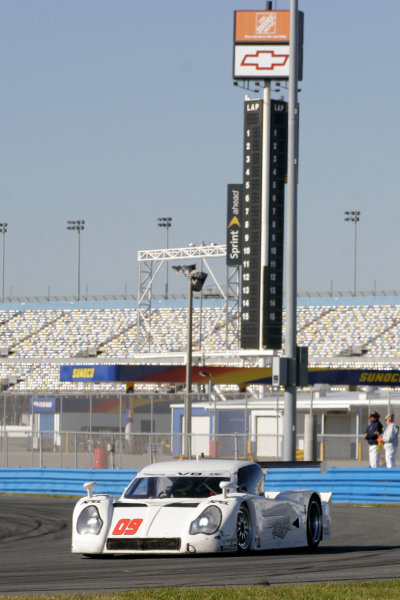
x=349 y=485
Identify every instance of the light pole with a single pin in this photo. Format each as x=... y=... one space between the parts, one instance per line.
x=354 y=217
x=165 y=222
x=3 y=230
x=290 y=398
x=78 y=226
x=196 y=280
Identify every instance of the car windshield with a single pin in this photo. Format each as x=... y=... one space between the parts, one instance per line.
x=174 y=487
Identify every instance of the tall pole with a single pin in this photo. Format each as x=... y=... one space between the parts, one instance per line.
x=3 y=229
x=355 y=260
x=79 y=264
x=188 y=404
x=354 y=217
x=289 y=425
x=77 y=226
x=4 y=261
x=166 y=280
x=196 y=280
x=165 y=222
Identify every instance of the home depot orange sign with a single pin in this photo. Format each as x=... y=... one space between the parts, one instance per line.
x=271 y=26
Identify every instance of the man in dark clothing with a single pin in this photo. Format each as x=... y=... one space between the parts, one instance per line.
x=373 y=431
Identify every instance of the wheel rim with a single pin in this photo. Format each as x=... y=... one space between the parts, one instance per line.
x=314 y=522
x=243 y=529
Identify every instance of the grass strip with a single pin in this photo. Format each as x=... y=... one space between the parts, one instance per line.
x=386 y=590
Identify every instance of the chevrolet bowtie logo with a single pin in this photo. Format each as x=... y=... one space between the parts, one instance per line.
x=264 y=60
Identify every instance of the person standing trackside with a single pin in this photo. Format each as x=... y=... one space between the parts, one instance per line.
x=373 y=431
x=390 y=438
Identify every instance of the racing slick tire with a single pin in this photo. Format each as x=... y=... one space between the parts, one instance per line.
x=314 y=522
x=243 y=529
x=99 y=556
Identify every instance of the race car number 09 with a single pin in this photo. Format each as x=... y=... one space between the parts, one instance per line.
x=127 y=526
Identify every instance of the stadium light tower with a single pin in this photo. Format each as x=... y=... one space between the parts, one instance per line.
x=196 y=281
x=354 y=217
x=78 y=226
x=165 y=222
x=3 y=230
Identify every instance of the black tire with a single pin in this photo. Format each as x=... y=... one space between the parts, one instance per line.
x=99 y=556
x=243 y=529
x=314 y=522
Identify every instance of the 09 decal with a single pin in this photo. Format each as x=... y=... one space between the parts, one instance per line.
x=127 y=526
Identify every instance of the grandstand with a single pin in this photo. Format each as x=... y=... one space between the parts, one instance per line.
x=35 y=339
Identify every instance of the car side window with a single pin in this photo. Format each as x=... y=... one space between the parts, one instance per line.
x=251 y=479
x=138 y=488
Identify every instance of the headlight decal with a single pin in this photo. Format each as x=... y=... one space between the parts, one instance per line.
x=207 y=522
x=89 y=521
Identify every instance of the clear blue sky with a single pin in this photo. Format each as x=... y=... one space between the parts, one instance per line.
x=119 y=112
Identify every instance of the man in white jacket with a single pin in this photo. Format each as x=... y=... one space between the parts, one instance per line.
x=390 y=438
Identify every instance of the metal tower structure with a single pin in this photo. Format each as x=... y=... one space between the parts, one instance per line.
x=150 y=263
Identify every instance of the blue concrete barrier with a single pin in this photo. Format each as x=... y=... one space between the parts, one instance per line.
x=357 y=485
x=66 y=482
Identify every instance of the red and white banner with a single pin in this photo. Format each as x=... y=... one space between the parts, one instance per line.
x=261 y=61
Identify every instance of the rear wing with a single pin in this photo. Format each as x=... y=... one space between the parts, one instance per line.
x=294 y=464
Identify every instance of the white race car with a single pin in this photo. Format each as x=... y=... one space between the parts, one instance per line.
x=199 y=506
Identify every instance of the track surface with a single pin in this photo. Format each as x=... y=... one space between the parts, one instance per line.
x=35 y=555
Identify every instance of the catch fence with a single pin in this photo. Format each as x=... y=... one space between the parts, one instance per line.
x=105 y=450
x=118 y=431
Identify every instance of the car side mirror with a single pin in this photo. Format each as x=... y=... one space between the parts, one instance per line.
x=89 y=487
x=226 y=486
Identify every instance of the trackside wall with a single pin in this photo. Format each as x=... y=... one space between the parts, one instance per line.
x=356 y=485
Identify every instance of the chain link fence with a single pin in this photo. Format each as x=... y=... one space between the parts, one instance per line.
x=122 y=431
x=105 y=450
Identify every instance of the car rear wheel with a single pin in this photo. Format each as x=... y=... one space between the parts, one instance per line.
x=243 y=529
x=314 y=522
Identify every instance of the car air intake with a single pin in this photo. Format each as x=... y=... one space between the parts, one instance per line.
x=144 y=544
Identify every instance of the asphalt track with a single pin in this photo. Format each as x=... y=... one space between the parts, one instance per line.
x=35 y=555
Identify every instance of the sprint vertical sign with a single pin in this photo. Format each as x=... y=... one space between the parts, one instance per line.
x=234 y=226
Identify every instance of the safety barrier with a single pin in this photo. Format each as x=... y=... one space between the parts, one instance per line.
x=349 y=485
x=65 y=482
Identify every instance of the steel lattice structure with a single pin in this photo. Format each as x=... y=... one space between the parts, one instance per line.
x=150 y=263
